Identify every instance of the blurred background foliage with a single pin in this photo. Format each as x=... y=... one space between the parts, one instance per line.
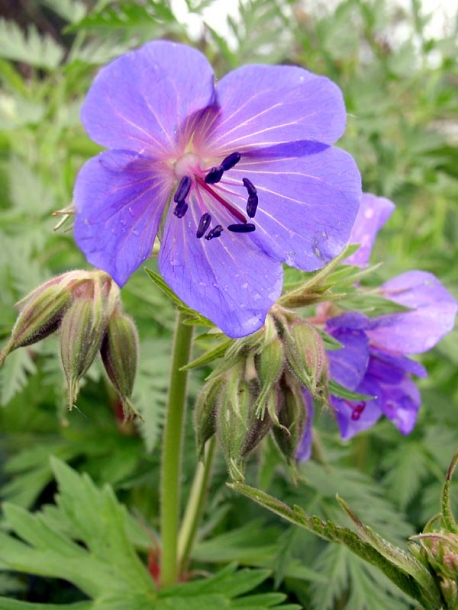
x=400 y=84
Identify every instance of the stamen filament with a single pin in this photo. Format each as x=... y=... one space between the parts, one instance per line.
x=222 y=201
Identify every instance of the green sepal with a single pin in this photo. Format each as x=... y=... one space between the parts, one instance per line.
x=165 y=288
x=448 y=518
x=316 y=286
x=338 y=390
x=269 y=366
x=193 y=318
x=330 y=343
x=209 y=356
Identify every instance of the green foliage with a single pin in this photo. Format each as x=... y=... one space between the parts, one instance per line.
x=14 y=374
x=30 y=47
x=355 y=581
x=84 y=539
x=106 y=564
x=11 y=604
x=128 y=16
x=151 y=389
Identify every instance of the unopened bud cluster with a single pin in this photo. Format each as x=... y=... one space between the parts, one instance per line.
x=259 y=388
x=85 y=308
x=437 y=546
x=439 y=550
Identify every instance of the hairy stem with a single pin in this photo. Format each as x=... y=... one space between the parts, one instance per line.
x=172 y=453
x=195 y=505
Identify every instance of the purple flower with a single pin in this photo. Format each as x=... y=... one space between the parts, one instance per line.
x=374 y=359
x=234 y=179
x=363 y=368
x=432 y=314
x=373 y=213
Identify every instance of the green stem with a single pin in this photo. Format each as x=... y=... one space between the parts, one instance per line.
x=171 y=453
x=195 y=505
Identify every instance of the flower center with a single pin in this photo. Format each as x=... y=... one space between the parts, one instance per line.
x=356 y=409
x=188 y=170
x=187 y=165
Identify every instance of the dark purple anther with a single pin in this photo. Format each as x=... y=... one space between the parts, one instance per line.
x=252 y=205
x=245 y=228
x=180 y=209
x=203 y=224
x=229 y=162
x=250 y=187
x=215 y=232
x=214 y=175
x=182 y=190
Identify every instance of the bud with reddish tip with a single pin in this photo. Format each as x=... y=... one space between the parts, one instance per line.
x=440 y=550
x=119 y=351
x=39 y=318
x=86 y=309
x=41 y=311
x=306 y=355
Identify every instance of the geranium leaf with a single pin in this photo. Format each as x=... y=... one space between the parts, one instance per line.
x=407 y=573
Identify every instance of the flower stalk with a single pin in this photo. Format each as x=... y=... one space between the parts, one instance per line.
x=195 y=505
x=172 y=453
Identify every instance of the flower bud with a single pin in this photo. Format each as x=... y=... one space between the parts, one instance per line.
x=440 y=550
x=119 y=351
x=261 y=424
x=81 y=334
x=269 y=366
x=205 y=412
x=41 y=311
x=306 y=355
x=292 y=416
x=39 y=317
x=234 y=417
x=449 y=588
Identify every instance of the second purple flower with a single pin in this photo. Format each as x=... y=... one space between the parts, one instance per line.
x=235 y=179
